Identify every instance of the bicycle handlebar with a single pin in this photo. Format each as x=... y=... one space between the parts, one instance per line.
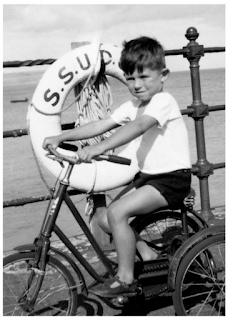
x=75 y=160
x=113 y=158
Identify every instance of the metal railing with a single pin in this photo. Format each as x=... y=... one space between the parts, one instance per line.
x=197 y=111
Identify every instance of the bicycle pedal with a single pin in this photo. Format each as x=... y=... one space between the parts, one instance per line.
x=122 y=299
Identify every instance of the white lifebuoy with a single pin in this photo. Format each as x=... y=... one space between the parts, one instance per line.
x=45 y=120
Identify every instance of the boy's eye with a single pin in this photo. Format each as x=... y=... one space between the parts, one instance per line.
x=144 y=76
x=129 y=78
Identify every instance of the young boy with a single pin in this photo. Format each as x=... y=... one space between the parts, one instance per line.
x=154 y=121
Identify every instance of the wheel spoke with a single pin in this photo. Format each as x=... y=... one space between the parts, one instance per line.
x=200 y=284
x=57 y=295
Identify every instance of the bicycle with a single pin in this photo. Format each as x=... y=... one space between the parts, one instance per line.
x=37 y=281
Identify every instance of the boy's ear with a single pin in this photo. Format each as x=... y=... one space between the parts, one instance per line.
x=165 y=74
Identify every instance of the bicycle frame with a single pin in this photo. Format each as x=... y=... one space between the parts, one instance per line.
x=50 y=226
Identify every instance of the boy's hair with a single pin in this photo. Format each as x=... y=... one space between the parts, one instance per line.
x=140 y=53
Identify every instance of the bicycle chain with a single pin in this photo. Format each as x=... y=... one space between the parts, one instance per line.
x=155 y=267
x=154 y=293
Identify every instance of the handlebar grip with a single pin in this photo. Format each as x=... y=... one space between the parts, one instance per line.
x=113 y=158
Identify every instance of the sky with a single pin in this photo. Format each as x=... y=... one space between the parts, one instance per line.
x=33 y=31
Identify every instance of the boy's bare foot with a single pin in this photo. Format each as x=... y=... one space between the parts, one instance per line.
x=145 y=251
x=152 y=255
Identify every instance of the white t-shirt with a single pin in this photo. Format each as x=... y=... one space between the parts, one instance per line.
x=162 y=148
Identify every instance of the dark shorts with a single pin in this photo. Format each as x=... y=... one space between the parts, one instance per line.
x=174 y=186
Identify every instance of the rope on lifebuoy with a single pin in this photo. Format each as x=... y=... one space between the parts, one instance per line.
x=94 y=104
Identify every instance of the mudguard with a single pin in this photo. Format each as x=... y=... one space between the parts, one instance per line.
x=185 y=248
x=26 y=247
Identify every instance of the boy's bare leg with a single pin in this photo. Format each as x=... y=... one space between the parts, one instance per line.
x=144 y=250
x=141 y=201
x=103 y=219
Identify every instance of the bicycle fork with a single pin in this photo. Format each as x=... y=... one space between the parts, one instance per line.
x=27 y=303
x=43 y=246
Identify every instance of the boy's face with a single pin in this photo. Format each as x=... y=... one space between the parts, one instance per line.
x=144 y=85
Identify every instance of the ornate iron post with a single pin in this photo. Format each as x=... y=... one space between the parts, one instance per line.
x=202 y=169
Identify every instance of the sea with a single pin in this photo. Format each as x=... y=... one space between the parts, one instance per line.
x=22 y=178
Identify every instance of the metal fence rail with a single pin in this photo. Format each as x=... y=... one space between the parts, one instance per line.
x=40 y=62
x=15 y=133
x=197 y=111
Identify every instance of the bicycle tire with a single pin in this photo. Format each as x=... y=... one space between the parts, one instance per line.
x=58 y=294
x=159 y=228
x=200 y=281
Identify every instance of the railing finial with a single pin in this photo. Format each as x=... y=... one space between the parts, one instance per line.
x=192 y=34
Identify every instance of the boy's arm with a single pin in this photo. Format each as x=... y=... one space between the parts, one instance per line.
x=129 y=132
x=123 y=135
x=86 y=131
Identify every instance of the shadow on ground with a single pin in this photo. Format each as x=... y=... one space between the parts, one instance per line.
x=95 y=306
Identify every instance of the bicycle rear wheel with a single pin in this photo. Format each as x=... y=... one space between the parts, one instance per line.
x=200 y=280
x=159 y=228
x=57 y=295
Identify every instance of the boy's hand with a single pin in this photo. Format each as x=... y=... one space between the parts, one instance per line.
x=87 y=153
x=53 y=141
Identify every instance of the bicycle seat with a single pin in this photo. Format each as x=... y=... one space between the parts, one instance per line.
x=187 y=203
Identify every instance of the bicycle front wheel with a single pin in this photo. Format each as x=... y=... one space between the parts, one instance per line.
x=200 y=280
x=57 y=295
